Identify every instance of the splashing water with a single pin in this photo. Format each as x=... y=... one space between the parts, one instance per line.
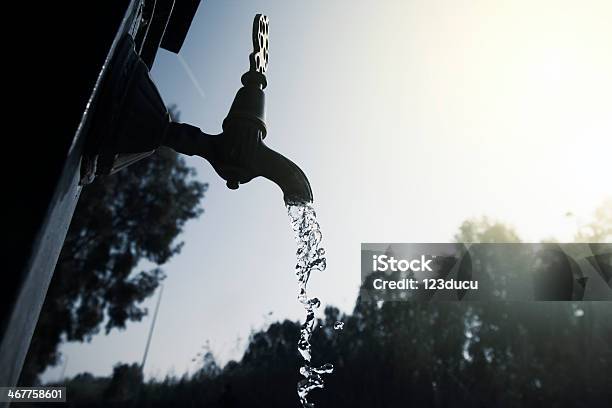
x=310 y=256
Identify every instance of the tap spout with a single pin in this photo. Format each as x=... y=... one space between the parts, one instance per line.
x=286 y=174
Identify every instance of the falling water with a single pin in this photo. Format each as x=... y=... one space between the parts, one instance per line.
x=310 y=256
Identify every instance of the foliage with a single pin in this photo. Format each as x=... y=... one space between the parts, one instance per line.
x=398 y=354
x=125 y=383
x=415 y=354
x=100 y=278
x=485 y=230
x=600 y=229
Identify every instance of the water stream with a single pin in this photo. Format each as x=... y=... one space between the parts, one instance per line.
x=310 y=257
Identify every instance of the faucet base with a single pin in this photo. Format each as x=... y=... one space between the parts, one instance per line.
x=131 y=120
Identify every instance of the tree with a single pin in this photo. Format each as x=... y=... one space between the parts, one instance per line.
x=485 y=231
x=121 y=220
x=125 y=382
x=411 y=353
x=600 y=229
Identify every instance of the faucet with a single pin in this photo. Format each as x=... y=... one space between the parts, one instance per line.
x=239 y=153
x=136 y=122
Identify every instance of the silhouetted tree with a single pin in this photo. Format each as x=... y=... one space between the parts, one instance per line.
x=600 y=228
x=485 y=230
x=125 y=383
x=120 y=221
x=415 y=353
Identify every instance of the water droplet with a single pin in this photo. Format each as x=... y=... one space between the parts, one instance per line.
x=315 y=303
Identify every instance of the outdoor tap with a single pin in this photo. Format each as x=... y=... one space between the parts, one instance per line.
x=239 y=154
x=132 y=122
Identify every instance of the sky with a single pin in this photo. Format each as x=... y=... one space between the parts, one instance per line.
x=408 y=117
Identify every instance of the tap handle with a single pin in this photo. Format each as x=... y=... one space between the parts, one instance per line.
x=259 y=57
